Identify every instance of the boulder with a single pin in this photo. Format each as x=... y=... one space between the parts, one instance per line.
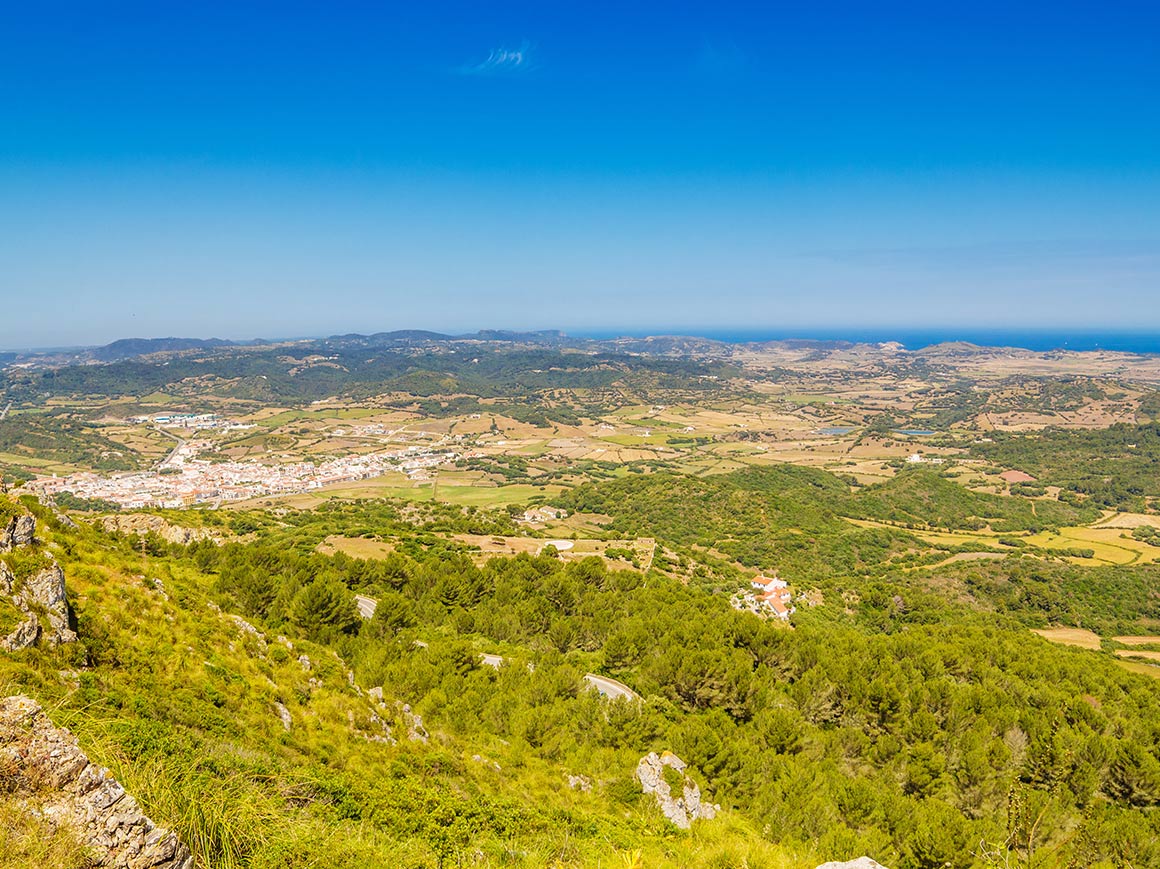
x=53 y=778
x=682 y=810
x=860 y=863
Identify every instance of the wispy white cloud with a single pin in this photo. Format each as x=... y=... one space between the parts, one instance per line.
x=501 y=61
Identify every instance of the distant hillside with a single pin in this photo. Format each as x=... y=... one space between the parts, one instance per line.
x=128 y=348
x=550 y=336
x=380 y=338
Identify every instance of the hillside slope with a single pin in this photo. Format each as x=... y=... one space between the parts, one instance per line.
x=260 y=750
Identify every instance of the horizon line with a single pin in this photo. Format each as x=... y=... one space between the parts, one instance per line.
x=930 y=334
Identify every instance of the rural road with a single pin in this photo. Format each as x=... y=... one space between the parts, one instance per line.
x=366 y=605
x=172 y=453
x=610 y=688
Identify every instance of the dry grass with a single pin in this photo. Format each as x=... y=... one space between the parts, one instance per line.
x=1128 y=520
x=1079 y=637
x=26 y=841
x=961 y=556
x=1142 y=669
x=1109 y=544
x=396 y=485
x=493 y=545
x=1138 y=640
x=356 y=547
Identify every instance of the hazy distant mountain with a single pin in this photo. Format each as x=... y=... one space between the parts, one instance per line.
x=404 y=336
x=127 y=348
x=550 y=336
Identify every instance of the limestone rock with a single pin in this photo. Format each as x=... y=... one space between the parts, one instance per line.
x=47 y=590
x=144 y=523
x=23 y=636
x=416 y=732
x=248 y=629
x=283 y=715
x=580 y=783
x=19 y=531
x=860 y=863
x=384 y=734
x=479 y=758
x=682 y=810
x=55 y=779
x=43 y=601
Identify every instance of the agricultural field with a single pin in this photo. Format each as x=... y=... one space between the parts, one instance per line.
x=1078 y=637
x=615 y=553
x=1107 y=545
x=1150 y=670
x=355 y=547
x=394 y=485
x=1099 y=544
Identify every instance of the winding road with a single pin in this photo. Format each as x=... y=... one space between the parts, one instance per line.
x=610 y=688
x=366 y=605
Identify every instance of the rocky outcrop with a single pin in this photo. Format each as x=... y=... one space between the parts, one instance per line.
x=19 y=531
x=144 y=523
x=283 y=715
x=46 y=772
x=416 y=732
x=248 y=630
x=860 y=863
x=381 y=731
x=40 y=601
x=43 y=604
x=686 y=806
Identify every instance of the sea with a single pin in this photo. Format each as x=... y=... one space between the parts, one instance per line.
x=916 y=339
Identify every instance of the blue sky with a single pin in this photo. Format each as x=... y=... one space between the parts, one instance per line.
x=270 y=169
